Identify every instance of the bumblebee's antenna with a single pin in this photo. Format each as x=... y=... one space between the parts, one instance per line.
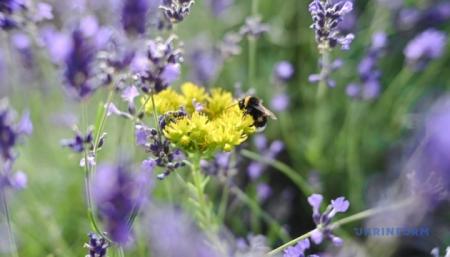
x=234 y=104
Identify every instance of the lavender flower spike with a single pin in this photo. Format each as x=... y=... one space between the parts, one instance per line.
x=78 y=65
x=176 y=10
x=97 y=246
x=298 y=250
x=117 y=192
x=283 y=71
x=326 y=19
x=427 y=46
x=134 y=15
x=10 y=131
x=339 y=205
x=323 y=220
x=162 y=67
x=315 y=200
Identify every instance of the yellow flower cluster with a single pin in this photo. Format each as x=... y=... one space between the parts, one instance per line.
x=219 y=123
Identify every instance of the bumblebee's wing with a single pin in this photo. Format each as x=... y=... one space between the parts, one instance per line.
x=266 y=111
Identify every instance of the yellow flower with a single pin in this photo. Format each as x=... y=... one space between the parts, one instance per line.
x=232 y=128
x=193 y=94
x=165 y=101
x=218 y=102
x=220 y=126
x=190 y=133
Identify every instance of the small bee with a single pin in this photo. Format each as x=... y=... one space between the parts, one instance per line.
x=252 y=106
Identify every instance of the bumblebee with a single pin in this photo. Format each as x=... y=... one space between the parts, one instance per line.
x=252 y=106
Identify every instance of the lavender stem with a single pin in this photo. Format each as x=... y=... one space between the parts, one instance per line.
x=102 y=121
x=87 y=186
x=349 y=219
x=155 y=116
x=324 y=74
x=121 y=252
x=12 y=241
x=252 y=50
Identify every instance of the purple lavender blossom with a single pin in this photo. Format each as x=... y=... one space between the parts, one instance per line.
x=97 y=246
x=348 y=23
x=166 y=225
x=427 y=46
x=78 y=65
x=11 y=132
x=408 y=18
x=44 y=12
x=8 y=8
x=170 y=73
x=134 y=16
x=205 y=62
x=221 y=166
x=79 y=143
x=411 y=18
x=57 y=43
x=369 y=74
x=437 y=13
x=323 y=220
x=163 y=153
x=22 y=43
x=163 y=66
x=326 y=19
x=429 y=176
x=219 y=7
x=117 y=192
x=283 y=71
x=129 y=94
x=280 y=102
x=253 y=27
x=12 y=179
x=326 y=76
x=255 y=169
x=252 y=246
x=298 y=250
x=263 y=191
x=230 y=46
x=176 y=10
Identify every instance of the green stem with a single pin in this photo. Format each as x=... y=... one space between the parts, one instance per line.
x=251 y=61
x=12 y=241
x=155 y=117
x=102 y=123
x=349 y=219
x=389 y=96
x=120 y=251
x=293 y=241
x=353 y=166
x=135 y=210
x=90 y=208
x=252 y=50
x=87 y=186
x=223 y=202
x=324 y=74
x=199 y=182
x=204 y=209
x=255 y=4
x=286 y=170
x=142 y=107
